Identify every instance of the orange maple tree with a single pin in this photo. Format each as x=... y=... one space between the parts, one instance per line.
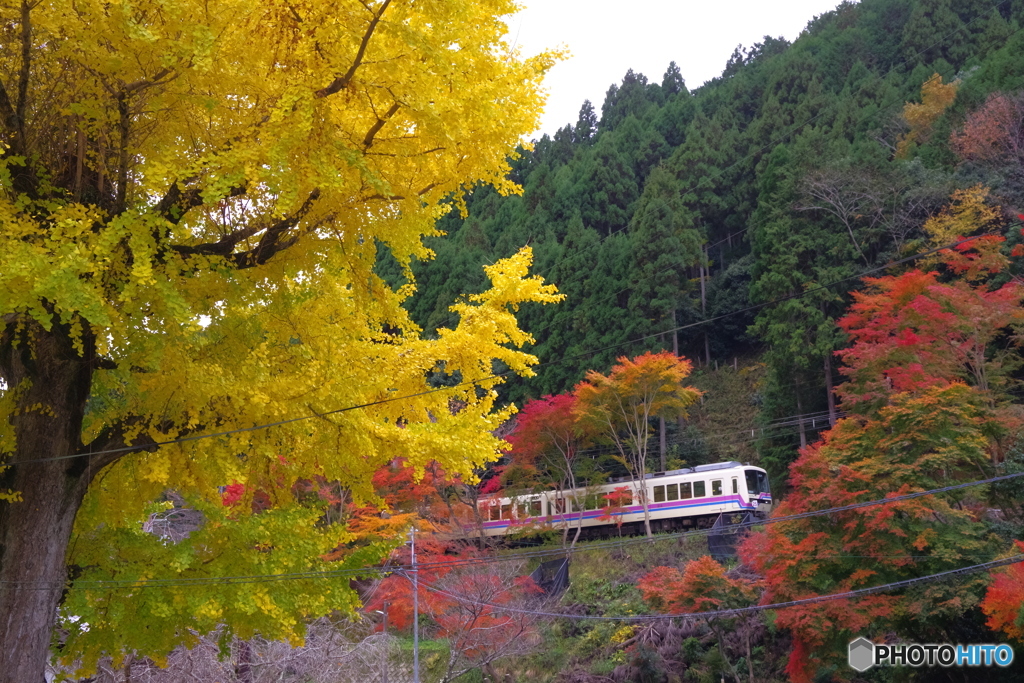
x=619 y=407
x=704 y=586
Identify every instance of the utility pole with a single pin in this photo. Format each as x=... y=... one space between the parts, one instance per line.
x=384 y=676
x=415 y=612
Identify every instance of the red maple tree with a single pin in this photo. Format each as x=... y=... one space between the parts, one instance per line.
x=928 y=407
x=480 y=607
x=1004 y=601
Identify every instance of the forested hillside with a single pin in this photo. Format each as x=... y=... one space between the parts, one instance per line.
x=803 y=165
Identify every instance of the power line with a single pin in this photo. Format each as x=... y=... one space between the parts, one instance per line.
x=717 y=173
x=736 y=611
x=552 y=552
x=470 y=383
x=605 y=545
x=810 y=420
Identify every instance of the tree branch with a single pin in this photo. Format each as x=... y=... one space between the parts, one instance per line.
x=124 y=129
x=13 y=113
x=222 y=247
x=7 y=114
x=271 y=242
x=375 y=128
x=340 y=82
x=26 y=63
x=176 y=203
x=148 y=83
x=113 y=438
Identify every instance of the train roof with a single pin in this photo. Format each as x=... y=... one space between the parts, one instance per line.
x=711 y=467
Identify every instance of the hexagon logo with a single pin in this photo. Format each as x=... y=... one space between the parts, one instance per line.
x=862 y=654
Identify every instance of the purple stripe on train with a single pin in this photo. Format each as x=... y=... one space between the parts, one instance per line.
x=632 y=509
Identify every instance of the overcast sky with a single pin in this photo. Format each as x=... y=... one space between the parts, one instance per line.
x=607 y=37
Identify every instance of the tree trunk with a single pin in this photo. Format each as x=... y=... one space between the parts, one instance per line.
x=243 y=666
x=800 y=415
x=475 y=505
x=675 y=334
x=829 y=393
x=703 y=310
x=47 y=371
x=750 y=657
x=662 y=443
x=647 y=509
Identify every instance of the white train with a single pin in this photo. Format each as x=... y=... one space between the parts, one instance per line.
x=676 y=499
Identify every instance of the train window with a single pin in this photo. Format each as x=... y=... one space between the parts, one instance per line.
x=672 y=491
x=559 y=505
x=757 y=482
x=685 y=490
x=716 y=487
x=735 y=486
x=659 y=494
x=506 y=512
x=699 y=490
x=535 y=508
x=593 y=501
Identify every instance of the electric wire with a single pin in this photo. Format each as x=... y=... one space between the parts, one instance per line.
x=542 y=553
x=500 y=375
x=750 y=155
x=736 y=611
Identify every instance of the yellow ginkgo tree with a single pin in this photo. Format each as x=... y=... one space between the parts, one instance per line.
x=193 y=197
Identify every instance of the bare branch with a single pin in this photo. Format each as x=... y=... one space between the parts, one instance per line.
x=272 y=243
x=375 y=128
x=340 y=82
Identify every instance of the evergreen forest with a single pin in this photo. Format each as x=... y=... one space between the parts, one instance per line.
x=690 y=220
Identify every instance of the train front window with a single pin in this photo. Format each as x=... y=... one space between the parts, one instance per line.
x=757 y=482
